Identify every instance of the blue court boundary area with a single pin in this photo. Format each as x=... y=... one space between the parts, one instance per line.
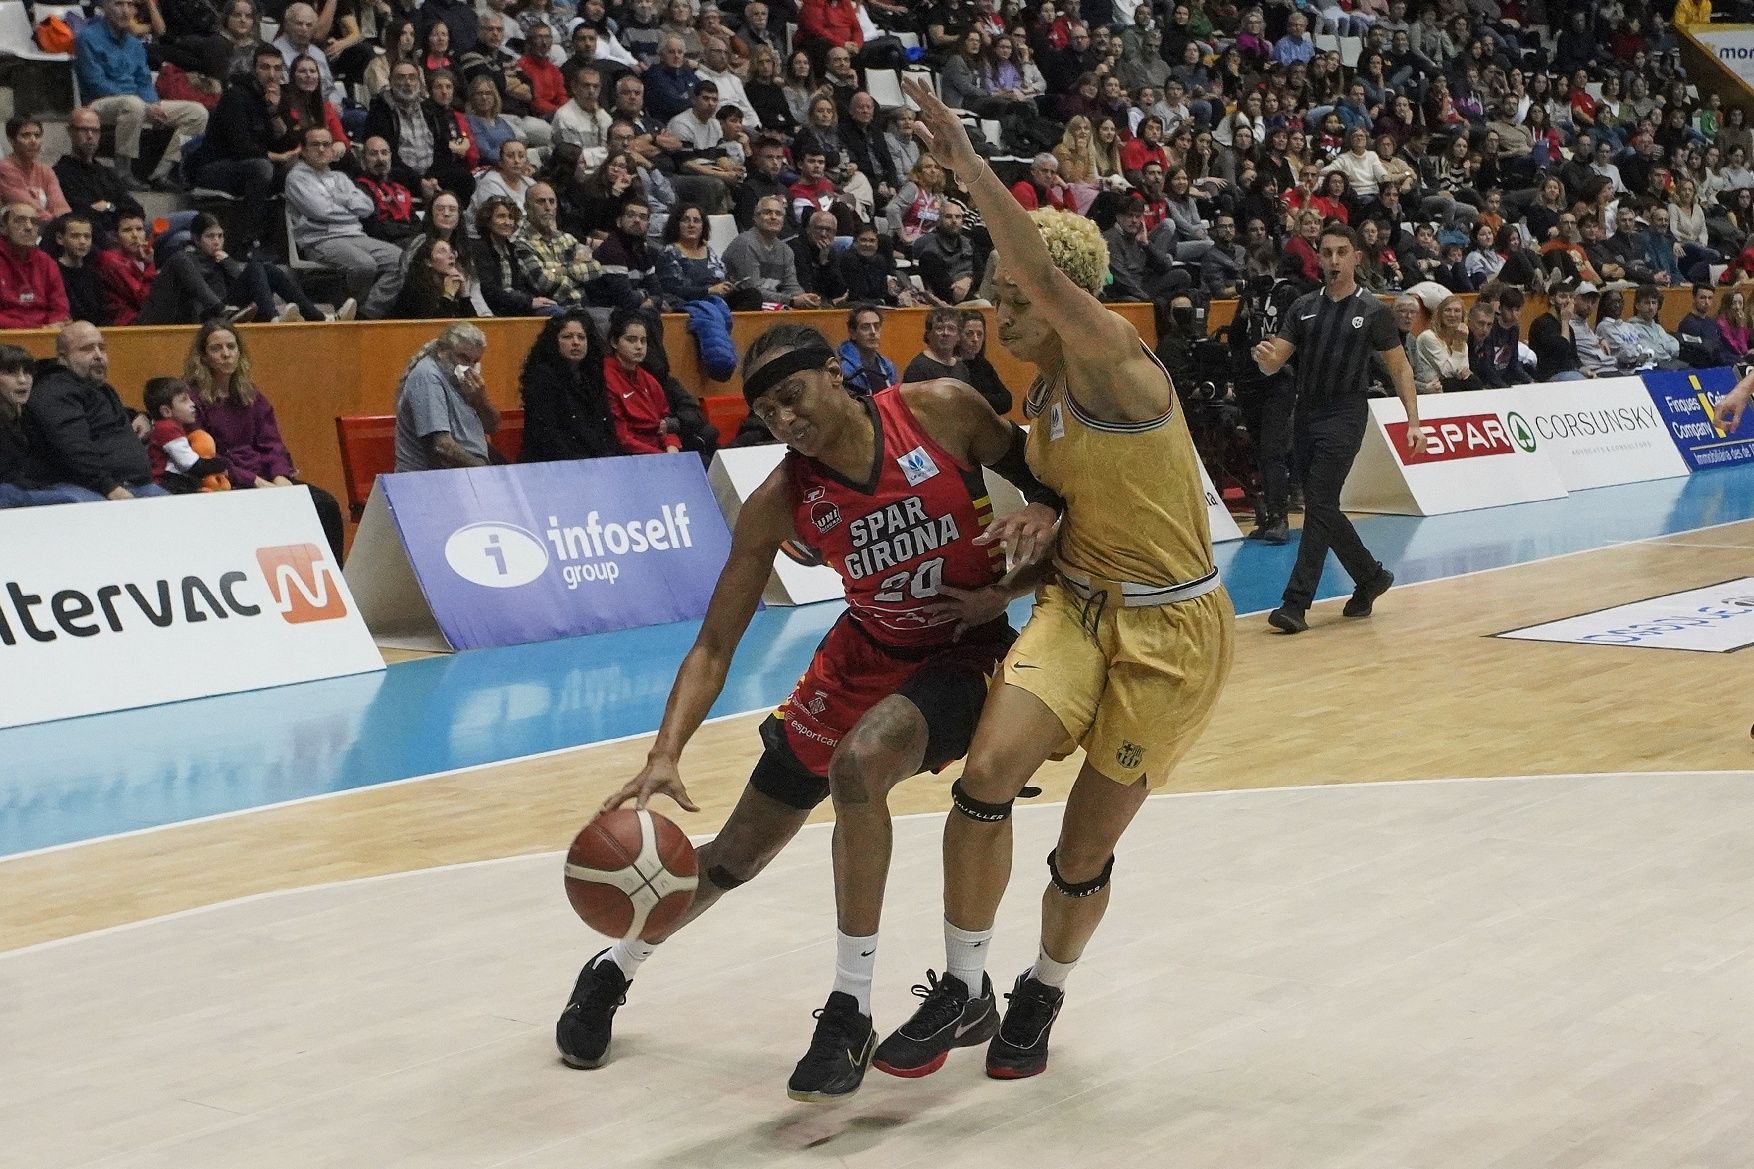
x=79 y=779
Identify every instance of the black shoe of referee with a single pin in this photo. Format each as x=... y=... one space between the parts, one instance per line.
x=949 y=1017
x=582 y=1034
x=840 y=1051
x=1288 y=619
x=1365 y=595
x=1020 y=1049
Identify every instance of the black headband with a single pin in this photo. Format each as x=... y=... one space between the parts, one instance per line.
x=814 y=355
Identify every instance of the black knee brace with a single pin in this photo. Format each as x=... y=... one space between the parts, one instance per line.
x=1096 y=884
x=975 y=809
x=721 y=876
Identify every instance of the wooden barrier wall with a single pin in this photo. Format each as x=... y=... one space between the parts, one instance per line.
x=314 y=372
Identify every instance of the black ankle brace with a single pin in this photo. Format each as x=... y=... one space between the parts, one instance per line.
x=1096 y=884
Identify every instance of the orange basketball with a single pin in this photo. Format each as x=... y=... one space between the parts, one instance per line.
x=630 y=873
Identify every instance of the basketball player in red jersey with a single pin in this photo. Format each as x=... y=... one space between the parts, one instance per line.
x=889 y=491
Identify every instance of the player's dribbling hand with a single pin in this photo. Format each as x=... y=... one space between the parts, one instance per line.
x=658 y=779
x=1027 y=535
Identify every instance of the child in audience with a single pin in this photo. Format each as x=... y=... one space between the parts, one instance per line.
x=182 y=454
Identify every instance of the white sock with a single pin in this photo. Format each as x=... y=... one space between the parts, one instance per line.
x=630 y=954
x=1051 y=973
x=855 y=967
x=965 y=955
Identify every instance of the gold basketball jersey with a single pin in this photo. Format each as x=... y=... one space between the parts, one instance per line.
x=1135 y=504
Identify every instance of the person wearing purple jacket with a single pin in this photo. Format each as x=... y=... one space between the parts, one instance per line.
x=241 y=420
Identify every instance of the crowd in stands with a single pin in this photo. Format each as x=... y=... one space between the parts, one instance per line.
x=449 y=160
x=1468 y=140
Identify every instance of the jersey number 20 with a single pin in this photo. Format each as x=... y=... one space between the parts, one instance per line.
x=921 y=582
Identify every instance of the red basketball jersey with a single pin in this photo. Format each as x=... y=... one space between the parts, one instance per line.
x=907 y=529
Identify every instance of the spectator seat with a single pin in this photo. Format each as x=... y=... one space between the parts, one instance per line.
x=721 y=230
x=368 y=449
x=725 y=411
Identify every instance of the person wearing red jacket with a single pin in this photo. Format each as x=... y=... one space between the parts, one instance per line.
x=1044 y=187
x=637 y=404
x=830 y=23
x=31 y=292
x=547 y=87
x=126 y=272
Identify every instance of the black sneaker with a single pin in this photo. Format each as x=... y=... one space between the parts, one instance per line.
x=1287 y=619
x=1365 y=595
x=582 y=1034
x=1277 y=531
x=949 y=1017
x=1020 y=1049
x=840 y=1051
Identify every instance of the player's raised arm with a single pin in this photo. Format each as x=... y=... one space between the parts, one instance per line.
x=1092 y=335
x=762 y=526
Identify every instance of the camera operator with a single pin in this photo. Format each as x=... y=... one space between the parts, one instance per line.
x=1268 y=401
x=1202 y=370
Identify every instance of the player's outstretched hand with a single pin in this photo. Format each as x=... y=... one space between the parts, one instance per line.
x=971 y=608
x=658 y=779
x=1026 y=535
x=940 y=130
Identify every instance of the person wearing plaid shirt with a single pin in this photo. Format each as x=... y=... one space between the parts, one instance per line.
x=556 y=264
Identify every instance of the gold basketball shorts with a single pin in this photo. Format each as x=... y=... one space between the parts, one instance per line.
x=1133 y=686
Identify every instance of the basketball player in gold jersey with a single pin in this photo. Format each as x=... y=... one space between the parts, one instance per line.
x=1129 y=643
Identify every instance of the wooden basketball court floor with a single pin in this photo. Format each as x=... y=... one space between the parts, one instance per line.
x=1421 y=897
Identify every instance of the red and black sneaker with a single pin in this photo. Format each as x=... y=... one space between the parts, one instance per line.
x=949 y=1017
x=1020 y=1049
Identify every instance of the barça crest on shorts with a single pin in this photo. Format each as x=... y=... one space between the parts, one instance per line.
x=918 y=466
x=1130 y=754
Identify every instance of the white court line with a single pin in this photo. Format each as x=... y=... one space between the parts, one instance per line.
x=1032 y=806
x=254 y=808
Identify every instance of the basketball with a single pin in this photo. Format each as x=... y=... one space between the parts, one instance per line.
x=629 y=873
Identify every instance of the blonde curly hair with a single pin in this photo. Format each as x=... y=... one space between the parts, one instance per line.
x=1076 y=247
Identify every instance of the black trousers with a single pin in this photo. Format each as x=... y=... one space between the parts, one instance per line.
x=328 y=514
x=1269 y=405
x=1326 y=438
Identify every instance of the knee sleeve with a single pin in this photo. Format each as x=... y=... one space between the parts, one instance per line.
x=720 y=876
x=1096 y=884
x=976 y=809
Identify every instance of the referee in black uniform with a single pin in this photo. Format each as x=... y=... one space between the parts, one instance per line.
x=1335 y=330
